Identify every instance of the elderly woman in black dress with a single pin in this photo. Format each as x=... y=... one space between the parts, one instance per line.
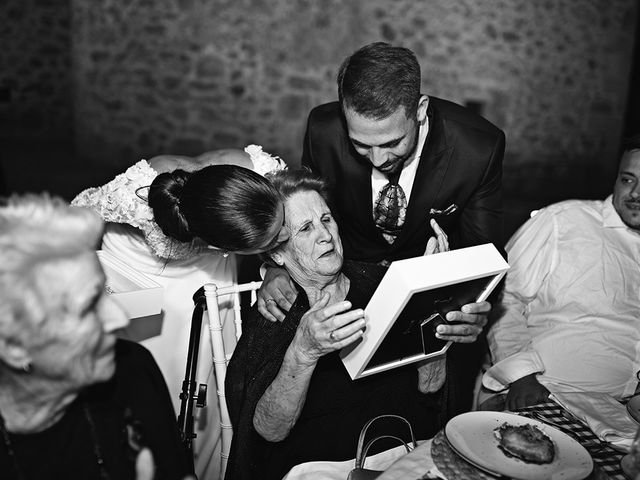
x=75 y=403
x=290 y=398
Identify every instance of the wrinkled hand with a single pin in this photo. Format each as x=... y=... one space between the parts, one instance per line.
x=145 y=469
x=439 y=243
x=276 y=294
x=327 y=328
x=431 y=375
x=470 y=321
x=526 y=391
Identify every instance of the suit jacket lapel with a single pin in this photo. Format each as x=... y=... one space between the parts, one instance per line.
x=361 y=188
x=430 y=175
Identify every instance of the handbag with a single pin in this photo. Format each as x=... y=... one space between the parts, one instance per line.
x=361 y=473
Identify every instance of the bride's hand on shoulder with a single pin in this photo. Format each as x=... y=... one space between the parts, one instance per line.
x=276 y=295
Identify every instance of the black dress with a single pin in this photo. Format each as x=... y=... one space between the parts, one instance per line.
x=335 y=408
x=132 y=409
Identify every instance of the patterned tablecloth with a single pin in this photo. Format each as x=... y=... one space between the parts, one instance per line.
x=605 y=458
x=436 y=459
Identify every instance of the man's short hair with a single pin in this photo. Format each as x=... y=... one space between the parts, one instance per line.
x=631 y=143
x=378 y=79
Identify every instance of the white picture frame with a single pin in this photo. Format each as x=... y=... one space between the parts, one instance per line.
x=409 y=286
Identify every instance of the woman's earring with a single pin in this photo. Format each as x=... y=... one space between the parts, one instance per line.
x=27 y=367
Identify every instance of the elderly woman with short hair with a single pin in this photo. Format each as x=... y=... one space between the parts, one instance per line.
x=290 y=398
x=75 y=403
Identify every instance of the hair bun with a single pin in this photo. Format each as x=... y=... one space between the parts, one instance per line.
x=164 y=199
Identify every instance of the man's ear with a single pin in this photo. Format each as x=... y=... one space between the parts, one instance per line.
x=14 y=354
x=423 y=104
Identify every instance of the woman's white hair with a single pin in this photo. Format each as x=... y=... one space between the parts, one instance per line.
x=36 y=229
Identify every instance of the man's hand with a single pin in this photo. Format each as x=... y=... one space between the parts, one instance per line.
x=526 y=391
x=276 y=294
x=469 y=323
x=439 y=243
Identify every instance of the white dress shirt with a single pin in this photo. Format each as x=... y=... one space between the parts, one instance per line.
x=408 y=174
x=571 y=302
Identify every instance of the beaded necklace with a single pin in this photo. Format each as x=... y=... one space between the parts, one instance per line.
x=97 y=451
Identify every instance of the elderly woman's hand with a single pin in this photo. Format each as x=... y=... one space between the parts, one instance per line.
x=469 y=323
x=326 y=328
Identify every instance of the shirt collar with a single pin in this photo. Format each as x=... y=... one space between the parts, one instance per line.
x=610 y=218
x=422 y=136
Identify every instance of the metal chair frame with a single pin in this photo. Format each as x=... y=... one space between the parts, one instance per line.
x=206 y=298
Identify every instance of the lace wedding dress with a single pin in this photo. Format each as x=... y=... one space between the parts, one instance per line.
x=123 y=200
x=180 y=268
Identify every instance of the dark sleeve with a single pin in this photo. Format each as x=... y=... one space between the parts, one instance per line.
x=141 y=385
x=481 y=222
x=237 y=372
x=307 y=156
x=250 y=369
x=481 y=219
x=324 y=141
x=255 y=362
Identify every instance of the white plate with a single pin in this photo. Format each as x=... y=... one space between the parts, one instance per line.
x=471 y=436
x=633 y=407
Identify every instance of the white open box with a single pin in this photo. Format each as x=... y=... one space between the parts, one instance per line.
x=137 y=294
x=410 y=292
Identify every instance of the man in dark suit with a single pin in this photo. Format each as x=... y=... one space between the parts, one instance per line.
x=456 y=179
x=396 y=161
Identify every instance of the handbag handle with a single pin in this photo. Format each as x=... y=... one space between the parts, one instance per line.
x=361 y=453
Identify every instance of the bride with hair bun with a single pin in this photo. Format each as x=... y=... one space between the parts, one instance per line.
x=183 y=205
x=180 y=221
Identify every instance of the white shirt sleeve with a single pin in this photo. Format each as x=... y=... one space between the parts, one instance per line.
x=531 y=252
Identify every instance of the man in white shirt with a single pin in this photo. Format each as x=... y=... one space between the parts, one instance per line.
x=570 y=313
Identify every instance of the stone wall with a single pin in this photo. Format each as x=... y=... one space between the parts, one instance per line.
x=187 y=76
x=35 y=70
x=184 y=76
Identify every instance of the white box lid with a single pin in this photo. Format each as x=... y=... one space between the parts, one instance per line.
x=137 y=294
x=410 y=286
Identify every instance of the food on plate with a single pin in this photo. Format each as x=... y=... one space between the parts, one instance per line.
x=526 y=442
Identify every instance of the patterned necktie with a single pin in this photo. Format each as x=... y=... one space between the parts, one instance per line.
x=390 y=208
